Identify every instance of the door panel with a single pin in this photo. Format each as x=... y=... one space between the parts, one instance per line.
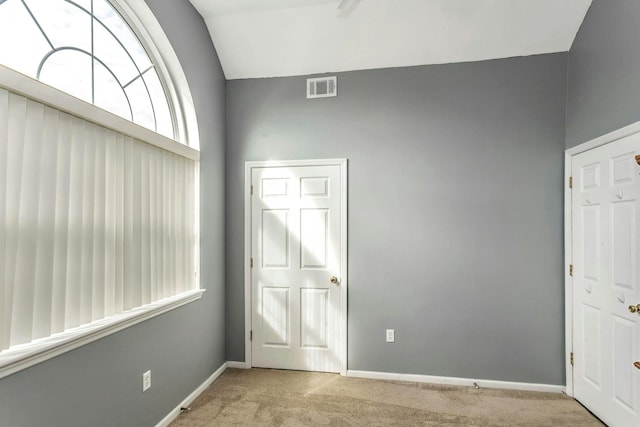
x=314 y=315
x=276 y=314
x=591 y=242
x=623 y=345
x=623 y=251
x=591 y=349
x=296 y=249
x=314 y=187
x=314 y=228
x=275 y=238
x=605 y=220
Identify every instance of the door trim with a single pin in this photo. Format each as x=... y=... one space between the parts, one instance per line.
x=568 y=280
x=608 y=138
x=248 y=167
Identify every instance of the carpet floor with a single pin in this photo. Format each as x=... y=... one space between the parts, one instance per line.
x=265 y=397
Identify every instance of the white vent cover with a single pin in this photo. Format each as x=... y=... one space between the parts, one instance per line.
x=322 y=87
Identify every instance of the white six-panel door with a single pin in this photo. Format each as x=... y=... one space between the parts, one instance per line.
x=296 y=235
x=606 y=227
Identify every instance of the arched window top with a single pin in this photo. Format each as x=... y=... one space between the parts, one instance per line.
x=87 y=49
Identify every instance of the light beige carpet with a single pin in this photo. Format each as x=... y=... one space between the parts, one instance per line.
x=264 y=397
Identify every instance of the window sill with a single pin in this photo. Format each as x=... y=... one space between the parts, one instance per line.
x=20 y=357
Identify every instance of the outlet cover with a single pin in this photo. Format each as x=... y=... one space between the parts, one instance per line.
x=146 y=381
x=391 y=335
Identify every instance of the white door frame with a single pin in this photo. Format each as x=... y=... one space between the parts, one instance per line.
x=568 y=235
x=248 y=168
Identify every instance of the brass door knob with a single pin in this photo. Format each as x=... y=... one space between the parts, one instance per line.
x=334 y=280
x=636 y=364
x=634 y=308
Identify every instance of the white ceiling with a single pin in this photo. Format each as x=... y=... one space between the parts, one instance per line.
x=268 y=38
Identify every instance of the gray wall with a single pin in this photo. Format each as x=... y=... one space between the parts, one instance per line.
x=100 y=384
x=455 y=209
x=604 y=71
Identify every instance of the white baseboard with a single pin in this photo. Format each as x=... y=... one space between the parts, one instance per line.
x=375 y=376
x=237 y=365
x=456 y=381
x=176 y=411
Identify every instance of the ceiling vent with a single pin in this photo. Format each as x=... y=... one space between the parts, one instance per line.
x=322 y=87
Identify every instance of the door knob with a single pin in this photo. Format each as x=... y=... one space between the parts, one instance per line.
x=634 y=308
x=334 y=280
x=636 y=364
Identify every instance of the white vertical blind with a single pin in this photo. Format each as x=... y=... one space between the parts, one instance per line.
x=92 y=222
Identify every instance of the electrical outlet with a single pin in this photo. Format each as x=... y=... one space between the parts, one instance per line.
x=146 y=381
x=391 y=335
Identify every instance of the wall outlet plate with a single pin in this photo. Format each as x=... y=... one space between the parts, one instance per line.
x=391 y=335
x=146 y=381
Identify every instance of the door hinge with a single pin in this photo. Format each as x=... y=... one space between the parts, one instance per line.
x=251 y=190
x=571 y=358
x=251 y=336
x=251 y=263
x=571 y=270
x=570 y=182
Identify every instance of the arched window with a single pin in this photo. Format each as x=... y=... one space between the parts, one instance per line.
x=87 y=49
x=99 y=217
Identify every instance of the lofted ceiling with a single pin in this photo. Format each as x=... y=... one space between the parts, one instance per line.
x=269 y=38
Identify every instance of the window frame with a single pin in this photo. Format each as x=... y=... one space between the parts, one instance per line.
x=152 y=37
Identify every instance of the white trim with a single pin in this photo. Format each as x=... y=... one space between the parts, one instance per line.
x=292 y=163
x=23 y=356
x=144 y=23
x=237 y=365
x=193 y=396
x=20 y=84
x=344 y=177
x=568 y=280
x=605 y=139
x=608 y=138
x=343 y=163
x=247 y=259
x=507 y=385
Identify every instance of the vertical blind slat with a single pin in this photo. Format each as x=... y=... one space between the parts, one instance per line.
x=92 y=223
x=86 y=231
x=17 y=107
x=154 y=223
x=110 y=223
x=99 y=227
x=74 y=248
x=172 y=227
x=15 y=136
x=136 y=265
x=192 y=228
x=45 y=231
x=62 y=215
x=165 y=220
x=4 y=159
x=181 y=229
x=178 y=228
x=119 y=226
x=145 y=241
x=129 y=249
x=26 y=255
